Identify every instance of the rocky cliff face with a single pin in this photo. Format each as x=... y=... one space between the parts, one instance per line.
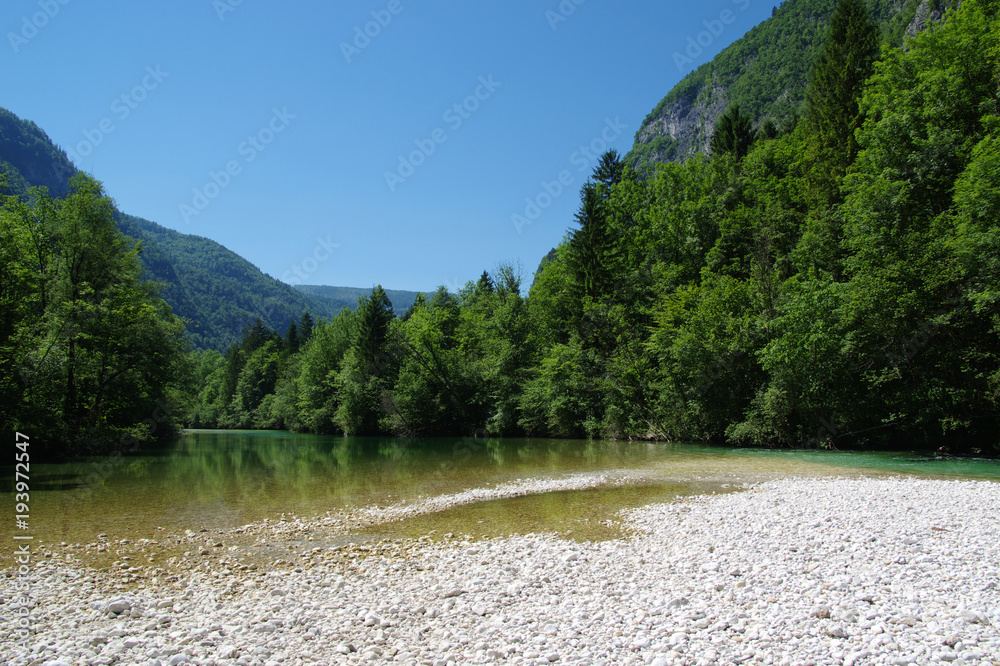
x=925 y=15
x=688 y=123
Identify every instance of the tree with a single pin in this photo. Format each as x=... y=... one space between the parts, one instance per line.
x=835 y=88
x=508 y=279
x=590 y=254
x=256 y=382
x=485 y=284
x=916 y=317
x=322 y=359
x=609 y=171
x=561 y=397
x=733 y=134
x=306 y=325
x=438 y=384
x=292 y=341
x=369 y=368
x=375 y=314
x=98 y=351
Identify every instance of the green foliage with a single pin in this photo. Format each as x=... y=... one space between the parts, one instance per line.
x=833 y=113
x=733 y=134
x=590 y=256
x=211 y=288
x=562 y=399
x=369 y=368
x=766 y=72
x=756 y=302
x=315 y=405
x=88 y=351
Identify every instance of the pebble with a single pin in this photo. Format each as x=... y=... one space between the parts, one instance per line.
x=794 y=571
x=118 y=606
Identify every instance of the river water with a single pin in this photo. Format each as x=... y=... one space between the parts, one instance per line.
x=224 y=479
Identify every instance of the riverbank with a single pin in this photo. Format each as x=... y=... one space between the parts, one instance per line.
x=823 y=571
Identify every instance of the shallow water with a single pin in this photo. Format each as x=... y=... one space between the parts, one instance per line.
x=581 y=515
x=220 y=480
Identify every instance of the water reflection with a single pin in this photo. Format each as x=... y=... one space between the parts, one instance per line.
x=223 y=479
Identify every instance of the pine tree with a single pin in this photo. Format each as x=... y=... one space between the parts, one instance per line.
x=837 y=81
x=306 y=325
x=485 y=284
x=292 y=341
x=255 y=336
x=375 y=314
x=592 y=245
x=609 y=172
x=587 y=244
x=733 y=133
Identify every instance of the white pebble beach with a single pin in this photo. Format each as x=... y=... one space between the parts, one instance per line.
x=791 y=571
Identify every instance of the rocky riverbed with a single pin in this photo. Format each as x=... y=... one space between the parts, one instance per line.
x=792 y=571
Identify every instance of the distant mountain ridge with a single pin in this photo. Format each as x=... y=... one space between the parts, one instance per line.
x=339 y=298
x=212 y=287
x=766 y=72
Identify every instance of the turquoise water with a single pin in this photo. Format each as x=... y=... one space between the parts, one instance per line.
x=895 y=462
x=224 y=479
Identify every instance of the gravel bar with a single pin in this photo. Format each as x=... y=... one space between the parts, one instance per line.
x=792 y=571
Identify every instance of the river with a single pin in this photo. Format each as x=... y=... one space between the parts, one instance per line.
x=223 y=479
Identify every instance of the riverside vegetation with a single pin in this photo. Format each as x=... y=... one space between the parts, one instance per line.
x=831 y=279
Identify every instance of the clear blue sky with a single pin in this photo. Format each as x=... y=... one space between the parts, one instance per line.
x=309 y=128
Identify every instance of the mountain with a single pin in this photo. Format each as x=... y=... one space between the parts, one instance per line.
x=338 y=298
x=28 y=157
x=215 y=289
x=765 y=72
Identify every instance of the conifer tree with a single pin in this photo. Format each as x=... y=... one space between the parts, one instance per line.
x=610 y=171
x=485 y=284
x=733 y=133
x=592 y=245
x=835 y=89
x=374 y=316
x=306 y=325
x=292 y=341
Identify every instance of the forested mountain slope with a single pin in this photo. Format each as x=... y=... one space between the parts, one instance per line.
x=766 y=72
x=211 y=287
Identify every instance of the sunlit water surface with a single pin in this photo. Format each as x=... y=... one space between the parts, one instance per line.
x=219 y=480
